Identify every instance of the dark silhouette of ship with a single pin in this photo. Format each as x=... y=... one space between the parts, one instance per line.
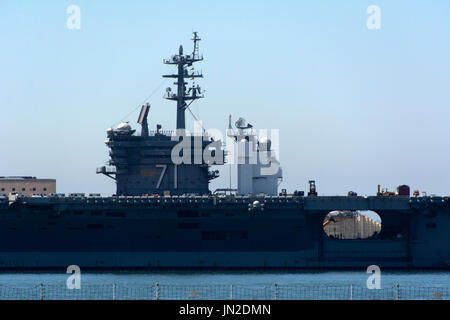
x=163 y=214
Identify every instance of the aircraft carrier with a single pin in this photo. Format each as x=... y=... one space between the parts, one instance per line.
x=164 y=215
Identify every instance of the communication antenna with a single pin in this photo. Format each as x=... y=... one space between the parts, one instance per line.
x=196 y=40
x=194 y=92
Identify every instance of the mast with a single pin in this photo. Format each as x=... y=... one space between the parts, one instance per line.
x=183 y=94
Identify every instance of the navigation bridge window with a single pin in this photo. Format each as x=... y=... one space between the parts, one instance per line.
x=349 y=225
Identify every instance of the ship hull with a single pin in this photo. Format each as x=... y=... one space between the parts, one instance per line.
x=170 y=233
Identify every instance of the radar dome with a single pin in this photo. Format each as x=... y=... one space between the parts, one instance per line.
x=124 y=126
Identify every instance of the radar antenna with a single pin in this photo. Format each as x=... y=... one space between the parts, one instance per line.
x=142 y=120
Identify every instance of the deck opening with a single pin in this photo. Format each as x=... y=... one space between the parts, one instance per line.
x=352 y=225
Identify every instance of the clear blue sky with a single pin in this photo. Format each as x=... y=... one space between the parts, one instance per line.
x=355 y=107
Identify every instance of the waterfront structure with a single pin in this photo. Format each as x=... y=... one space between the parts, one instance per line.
x=27 y=186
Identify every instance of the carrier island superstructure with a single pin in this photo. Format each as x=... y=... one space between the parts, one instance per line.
x=163 y=214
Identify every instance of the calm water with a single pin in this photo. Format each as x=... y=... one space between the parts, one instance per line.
x=249 y=278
